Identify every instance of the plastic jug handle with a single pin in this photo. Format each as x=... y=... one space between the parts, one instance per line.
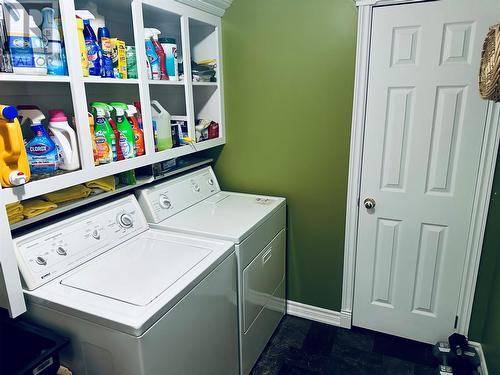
x=15 y=142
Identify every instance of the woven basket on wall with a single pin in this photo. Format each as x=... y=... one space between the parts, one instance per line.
x=489 y=73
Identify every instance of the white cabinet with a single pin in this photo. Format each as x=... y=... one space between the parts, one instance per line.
x=198 y=37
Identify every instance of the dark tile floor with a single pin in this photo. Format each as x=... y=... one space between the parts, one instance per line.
x=303 y=347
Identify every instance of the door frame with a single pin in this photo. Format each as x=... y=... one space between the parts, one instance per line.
x=483 y=186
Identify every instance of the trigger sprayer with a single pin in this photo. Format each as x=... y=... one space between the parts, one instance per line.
x=14 y=166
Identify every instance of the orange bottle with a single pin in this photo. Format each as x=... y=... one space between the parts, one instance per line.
x=14 y=166
x=139 y=135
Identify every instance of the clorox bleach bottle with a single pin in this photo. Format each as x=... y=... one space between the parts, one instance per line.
x=65 y=139
x=14 y=166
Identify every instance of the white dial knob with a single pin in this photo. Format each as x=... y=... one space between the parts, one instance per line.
x=165 y=202
x=196 y=187
x=125 y=221
x=96 y=234
x=210 y=181
x=41 y=261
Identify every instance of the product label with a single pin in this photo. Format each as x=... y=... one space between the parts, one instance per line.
x=41 y=159
x=127 y=147
x=92 y=53
x=21 y=51
x=103 y=149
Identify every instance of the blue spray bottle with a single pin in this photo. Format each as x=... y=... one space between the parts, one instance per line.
x=106 y=52
x=43 y=156
x=93 y=50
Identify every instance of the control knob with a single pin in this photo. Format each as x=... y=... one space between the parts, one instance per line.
x=61 y=251
x=125 y=221
x=165 y=202
x=41 y=261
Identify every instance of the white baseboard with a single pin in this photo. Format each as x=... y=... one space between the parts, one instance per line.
x=318 y=314
x=479 y=348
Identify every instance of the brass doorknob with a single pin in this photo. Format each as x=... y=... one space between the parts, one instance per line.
x=369 y=203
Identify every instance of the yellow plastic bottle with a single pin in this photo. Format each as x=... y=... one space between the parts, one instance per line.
x=83 y=49
x=14 y=167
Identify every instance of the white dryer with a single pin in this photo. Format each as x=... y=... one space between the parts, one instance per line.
x=133 y=300
x=194 y=204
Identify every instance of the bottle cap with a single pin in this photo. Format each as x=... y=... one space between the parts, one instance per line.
x=57 y=115
x=9 y=113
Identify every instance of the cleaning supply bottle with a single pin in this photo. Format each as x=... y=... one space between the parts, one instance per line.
x=104 y=135
x=162 y=121
x=169 y=45
x=138 y=134
x=137 y=105
x=25 y=40
x=65 y=139
x=106 y=52
x=14 y=166
x=5 y=64
x=92 y=137
x=117 y=151
x=83 y=50
x=153 y=59
x=52 y=42
x=161 y=54
x=93 y=51
x=42 y=151
x=126 y=133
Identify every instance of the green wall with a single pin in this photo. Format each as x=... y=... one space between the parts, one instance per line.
x=289 y=71
x=485 y=321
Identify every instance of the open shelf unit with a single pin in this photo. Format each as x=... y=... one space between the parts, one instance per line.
x=197 y=36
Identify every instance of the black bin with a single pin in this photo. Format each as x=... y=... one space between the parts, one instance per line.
x=28 y=349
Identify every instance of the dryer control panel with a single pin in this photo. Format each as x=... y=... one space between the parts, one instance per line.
x=47 y=253
x=165 y=199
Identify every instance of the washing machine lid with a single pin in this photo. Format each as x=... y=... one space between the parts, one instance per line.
x=138 y=271
x=225 y=215
x=134 y=284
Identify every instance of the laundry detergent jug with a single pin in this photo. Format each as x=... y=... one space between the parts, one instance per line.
x=14 y=166
x=65 y=139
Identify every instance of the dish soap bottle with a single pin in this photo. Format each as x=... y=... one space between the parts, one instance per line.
x=42 y=152
x=65 y=139
x=14 y=166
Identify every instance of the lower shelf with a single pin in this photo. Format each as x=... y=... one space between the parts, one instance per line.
x=183 y=165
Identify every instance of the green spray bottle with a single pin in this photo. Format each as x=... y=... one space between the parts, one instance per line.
x=104 y=136
x=127 y=136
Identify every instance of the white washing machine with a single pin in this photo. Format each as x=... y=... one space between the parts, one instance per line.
x=194 y=204
x=133 y=300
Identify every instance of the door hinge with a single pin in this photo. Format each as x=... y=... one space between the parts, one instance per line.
x=456 y=322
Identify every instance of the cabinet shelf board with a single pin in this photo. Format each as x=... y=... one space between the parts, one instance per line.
x=11 y=77
x=131 y=81
x=205 y=83
x=172 y=83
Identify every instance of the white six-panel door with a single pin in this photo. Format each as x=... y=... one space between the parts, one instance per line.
x=422 y=146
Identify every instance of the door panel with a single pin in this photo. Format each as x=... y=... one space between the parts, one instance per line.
x=422 y=146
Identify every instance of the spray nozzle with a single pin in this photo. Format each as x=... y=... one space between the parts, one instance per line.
x=131 y=110
x=100 y=109
x=120 y=108
x=84 y=15
x=30 y=112
x=150 y=32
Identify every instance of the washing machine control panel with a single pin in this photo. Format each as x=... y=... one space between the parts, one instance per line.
x=47 y=253
x=168 y=198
